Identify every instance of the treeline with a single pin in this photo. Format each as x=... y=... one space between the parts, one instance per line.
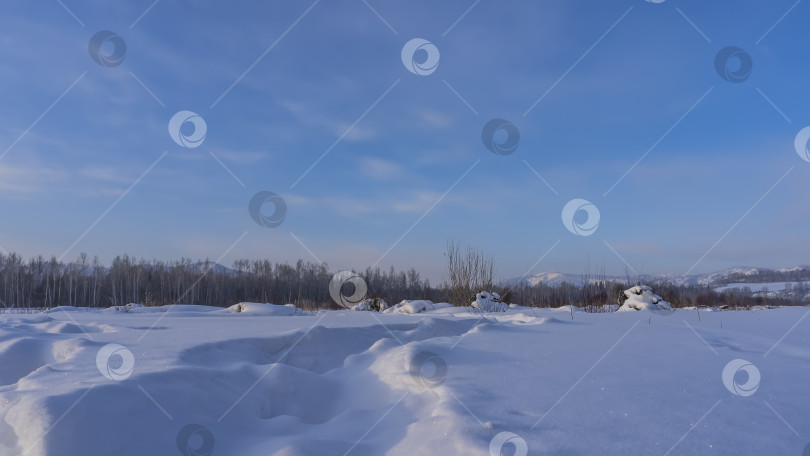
x=593 y=294
x=800 y=274
x=584 y=294
x=40 y=282
x=85 y=282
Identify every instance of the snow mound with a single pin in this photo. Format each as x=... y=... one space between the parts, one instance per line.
x=416 y=306
x=568 y=308
x=61 y=309
x=271 y=310
x=641 y=297
x=174 y=309
x=371 y=305
x=489 y=302
x=131 y=307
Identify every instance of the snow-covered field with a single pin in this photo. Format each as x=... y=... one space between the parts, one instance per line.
x=269 y=380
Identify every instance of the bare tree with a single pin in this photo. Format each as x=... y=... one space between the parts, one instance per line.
x=470 y=271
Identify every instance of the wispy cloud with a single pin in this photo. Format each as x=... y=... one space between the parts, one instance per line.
x=381 y=169
x=28 y=179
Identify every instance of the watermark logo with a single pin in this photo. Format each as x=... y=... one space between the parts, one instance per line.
x=656 y=1
x=195 y=440
x=107 y=48
x=420 y=56
x=260 y=201
x=801 y=143
x=733 y=64
x=347 y=289
x=115 y=362
x=508 y=439
x=571 y=212
x=428 y=369
x=185 y=120
x=500 y=136
x=736 y=369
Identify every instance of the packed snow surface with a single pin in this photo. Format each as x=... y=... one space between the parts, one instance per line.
x=270 y=380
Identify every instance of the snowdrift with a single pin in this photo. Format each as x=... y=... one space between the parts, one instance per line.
x=257 y=382
x=416 y=306
x=264 y=309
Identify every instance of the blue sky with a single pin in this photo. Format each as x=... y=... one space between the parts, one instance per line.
x=406 y=168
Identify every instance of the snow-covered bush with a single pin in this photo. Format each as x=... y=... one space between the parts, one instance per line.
x=372 y=305
x=489 y=301
x=128 y=308
x=642 y=297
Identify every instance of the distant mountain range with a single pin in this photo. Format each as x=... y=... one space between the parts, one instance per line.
x=713 y=279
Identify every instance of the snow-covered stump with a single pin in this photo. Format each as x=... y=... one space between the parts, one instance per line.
x=641 y=297
x=489 y=301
